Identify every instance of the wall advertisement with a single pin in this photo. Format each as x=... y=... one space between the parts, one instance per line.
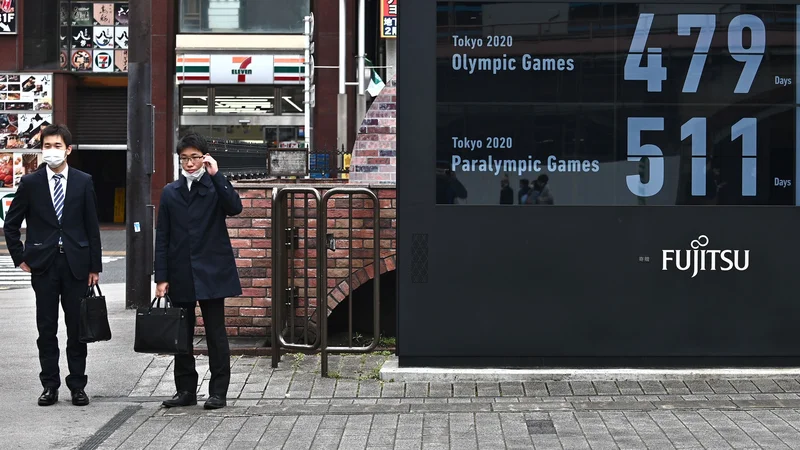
x=8 y=16
x=389 y=19
x=94 y=36
x=25 y=109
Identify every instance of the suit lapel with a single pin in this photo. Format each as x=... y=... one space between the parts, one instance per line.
x=50 y=208
x=72 y=193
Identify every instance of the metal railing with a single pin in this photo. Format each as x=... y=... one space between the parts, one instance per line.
x=288 y=268
x=239 y=160
x=286 y=290
x=246 y=160
x=376 y=266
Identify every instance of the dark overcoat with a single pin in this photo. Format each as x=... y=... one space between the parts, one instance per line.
x=193 y=250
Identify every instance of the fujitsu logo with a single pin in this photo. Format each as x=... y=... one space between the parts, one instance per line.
x=698 y=259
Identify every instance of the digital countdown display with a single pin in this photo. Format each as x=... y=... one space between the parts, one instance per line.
x=616 y=104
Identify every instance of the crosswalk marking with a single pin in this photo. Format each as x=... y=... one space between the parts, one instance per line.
x=14 y=276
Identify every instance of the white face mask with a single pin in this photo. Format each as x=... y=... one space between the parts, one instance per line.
x=54 y=157
x=194 y=176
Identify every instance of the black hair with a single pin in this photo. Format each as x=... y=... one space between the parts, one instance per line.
x=58 y=130
x=192 y=140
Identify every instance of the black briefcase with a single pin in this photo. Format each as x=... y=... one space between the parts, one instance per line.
x=161 y=330
x=94 y=325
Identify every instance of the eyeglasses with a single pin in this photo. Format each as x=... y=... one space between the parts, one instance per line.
x=185 y=159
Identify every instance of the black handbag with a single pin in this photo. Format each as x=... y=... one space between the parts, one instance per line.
x=161 y=330
x=94 y=325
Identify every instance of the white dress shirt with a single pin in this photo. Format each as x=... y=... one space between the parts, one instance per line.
x=52 y=183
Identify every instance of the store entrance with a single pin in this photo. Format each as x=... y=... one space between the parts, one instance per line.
x=108 y=169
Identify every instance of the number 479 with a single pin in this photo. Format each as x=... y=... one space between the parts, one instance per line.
x=654 y=71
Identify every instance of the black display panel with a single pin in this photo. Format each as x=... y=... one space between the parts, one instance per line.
x=616 y=104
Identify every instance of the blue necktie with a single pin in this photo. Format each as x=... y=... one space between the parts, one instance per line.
x=58 y=196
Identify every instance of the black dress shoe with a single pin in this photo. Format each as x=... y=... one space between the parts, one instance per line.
x=181 y=398
x=79 y=398
x=49 y=397
x=215 y=402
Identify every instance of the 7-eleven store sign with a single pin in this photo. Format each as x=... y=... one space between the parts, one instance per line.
x=240 y=69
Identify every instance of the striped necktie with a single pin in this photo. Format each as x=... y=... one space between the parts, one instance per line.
x=58 y=196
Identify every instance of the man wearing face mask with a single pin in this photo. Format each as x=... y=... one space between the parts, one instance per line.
x=62 y=253
x=194 y=263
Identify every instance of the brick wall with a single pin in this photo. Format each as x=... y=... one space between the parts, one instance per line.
x=375 y=150
x=251 y=237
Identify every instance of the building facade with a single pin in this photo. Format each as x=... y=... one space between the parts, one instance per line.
x=230 y=69
x=65 y=61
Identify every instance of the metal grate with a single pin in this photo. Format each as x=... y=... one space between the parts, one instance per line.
x=419 y=258
x=101 y=116
x=540 y=426
x=109 y=428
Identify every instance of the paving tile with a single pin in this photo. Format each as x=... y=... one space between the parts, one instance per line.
x=535 y=388
x=582 y=388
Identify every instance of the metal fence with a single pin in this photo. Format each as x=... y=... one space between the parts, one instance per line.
x=247 y=161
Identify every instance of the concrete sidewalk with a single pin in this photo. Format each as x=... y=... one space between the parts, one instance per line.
x=292 y=407
x=112 y=367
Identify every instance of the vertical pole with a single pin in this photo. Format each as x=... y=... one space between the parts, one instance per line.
x=322 y=283
x=140 y=158
x=277 y=276
x=361 y=106
x=307 y=93
x=341 y=141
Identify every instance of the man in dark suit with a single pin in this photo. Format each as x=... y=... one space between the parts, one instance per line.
x=61 y=252
x=194 y=261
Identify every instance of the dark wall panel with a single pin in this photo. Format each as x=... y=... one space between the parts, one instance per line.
x=576 y=285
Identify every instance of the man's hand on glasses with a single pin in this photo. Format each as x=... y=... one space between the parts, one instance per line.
x=211 y=164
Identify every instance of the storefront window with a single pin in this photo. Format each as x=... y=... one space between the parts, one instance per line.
x=194 y=100
x=250 y=100
x=243 y=16
x=273 y=137
x=284 y=137
x=292 y=100
x=241 y=100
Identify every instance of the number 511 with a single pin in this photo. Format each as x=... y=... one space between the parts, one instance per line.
x=696 y=129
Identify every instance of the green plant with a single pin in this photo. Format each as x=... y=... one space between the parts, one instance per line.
x=298 y=358
x=374 y=374
x=387 y=341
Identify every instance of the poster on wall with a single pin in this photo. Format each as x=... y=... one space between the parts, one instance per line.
x=389 y=18
x=25 y=109
x=8 y=16
x=94 y=37
x=6 y=170
x=24 y=163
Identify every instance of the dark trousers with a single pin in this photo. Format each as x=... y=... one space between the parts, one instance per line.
x=58 y=283
x=219 y=353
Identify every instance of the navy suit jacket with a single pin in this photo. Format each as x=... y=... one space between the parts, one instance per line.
x=79 y=228
x=193 y=250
